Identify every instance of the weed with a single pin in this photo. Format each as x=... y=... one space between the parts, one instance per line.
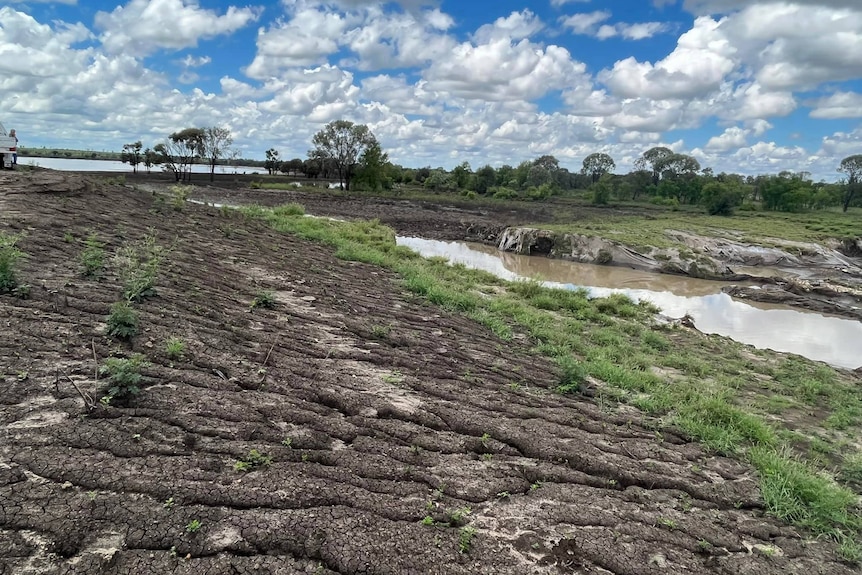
x=667 y=523
x=175 y=348
x=459 y=516
x=9 y=257
x=264 y=299
x=193 y=526
x=124 y=377
x=138 y=267
x=169 y=503
x=287 y=442
x=179 y=195
x=394 y=378
x=92 y=257
x=381 y=331
x=92 y=495
x=465 y=538
x=427 y=520
x=504 y=495
x=254 y=460
x=68 y=237
x=704 y=545
x=122 y=321
x=572 y=374
x=289 y=210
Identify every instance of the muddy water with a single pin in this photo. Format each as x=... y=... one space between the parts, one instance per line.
x=836 y=341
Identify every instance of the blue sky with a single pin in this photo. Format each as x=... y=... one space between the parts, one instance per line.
x=751 y=86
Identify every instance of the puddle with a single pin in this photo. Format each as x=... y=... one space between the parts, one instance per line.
x=836 y=341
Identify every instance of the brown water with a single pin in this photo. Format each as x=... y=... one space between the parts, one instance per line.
x=837 y=341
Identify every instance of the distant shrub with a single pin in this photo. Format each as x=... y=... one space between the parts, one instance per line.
x=502 y=193
x=289 y=210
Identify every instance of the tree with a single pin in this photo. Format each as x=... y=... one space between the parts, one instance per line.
x=652 y=159
x=677 y=165
x=132 y=154
x=150 y=159
x=486 y=177
x=214 y=145
x=372 y=168
x=343 y=142
x=461 y=174
x=597 y=165
x=272 y=160
x=168 y=156
x=852 y=166
x=187 y=146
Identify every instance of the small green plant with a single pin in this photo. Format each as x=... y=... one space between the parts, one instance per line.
x=68 y=237
x=175 y=348
x=122 y=321
x=169 y=503
x=193 y=526
x=264 y=299
x=92 y=495
x=381 y=331
x=92 y=257
x=138 y=267
x=667 y=523
x=253 y=460
x=287 y=442
x=459 y=516
x=179 y=195
x=427 y=520
x=465 y=538
x=124 y=376
x=9 y=257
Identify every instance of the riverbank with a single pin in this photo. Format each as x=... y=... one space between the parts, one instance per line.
x=315 y=397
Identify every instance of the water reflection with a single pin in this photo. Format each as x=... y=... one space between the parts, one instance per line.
x=836 y=341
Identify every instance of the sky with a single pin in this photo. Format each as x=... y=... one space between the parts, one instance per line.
x=744 y=86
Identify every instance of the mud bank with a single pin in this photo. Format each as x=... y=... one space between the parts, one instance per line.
x=398 y=441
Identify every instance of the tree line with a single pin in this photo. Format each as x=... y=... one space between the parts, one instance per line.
x=350 y=154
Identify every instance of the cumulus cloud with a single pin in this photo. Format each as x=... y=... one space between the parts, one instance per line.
x=142 y=27
x=732 y=138
x=700 y=63
x=586 y=22
x=837 y=105
x=516 y=26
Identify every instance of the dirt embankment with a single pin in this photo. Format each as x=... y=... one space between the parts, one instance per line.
x=403 y=439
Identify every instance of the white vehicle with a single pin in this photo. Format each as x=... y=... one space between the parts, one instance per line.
x=8 y=147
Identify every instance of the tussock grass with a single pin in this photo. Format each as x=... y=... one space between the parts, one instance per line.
x=716 y=391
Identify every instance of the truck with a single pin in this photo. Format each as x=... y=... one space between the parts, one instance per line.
x=8 y=149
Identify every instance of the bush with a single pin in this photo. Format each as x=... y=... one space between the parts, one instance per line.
x=124 y=377
x=264 y=299
x=9 y=257
x=138 y=267
x=502 y=193
x=253 y=460
x=92 y=257
x=122 y=321
x=179 y=195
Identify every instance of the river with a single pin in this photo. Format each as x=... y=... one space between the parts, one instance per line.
x=834 y=340
x=73 y=165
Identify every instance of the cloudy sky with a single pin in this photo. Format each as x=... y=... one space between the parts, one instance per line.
x=751 y=86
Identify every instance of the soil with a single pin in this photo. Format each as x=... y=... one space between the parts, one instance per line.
x=377 y=409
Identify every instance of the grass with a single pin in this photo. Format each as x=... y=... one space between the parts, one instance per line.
x=138 y=266
x=92 y=257
x=10 y=255
x=756 y=227
x=710 y=387
x=175 y=348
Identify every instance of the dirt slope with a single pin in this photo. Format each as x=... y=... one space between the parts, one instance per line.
x=377 y=410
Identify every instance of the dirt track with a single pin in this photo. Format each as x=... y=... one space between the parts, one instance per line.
x=393 y=411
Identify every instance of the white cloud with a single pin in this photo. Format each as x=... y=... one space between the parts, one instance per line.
x=838 y=105
x=559 y=3
x=584 y=23
x=732 y=138
x=699 y=64
x=142 y=27
x=516 y=26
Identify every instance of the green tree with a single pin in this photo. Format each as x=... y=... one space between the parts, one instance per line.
x=652 y=160
x=343 y=142
x=721 y=198
x=486 y=177
x=372 y=171
x=596 y=165
x=215 y=144
x=852 y=166
x=132 y=155
x=461 y=174
x=151 y=158
x=272 y=160
x=186 y=146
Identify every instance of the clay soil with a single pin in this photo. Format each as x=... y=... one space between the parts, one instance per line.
x=377 y=409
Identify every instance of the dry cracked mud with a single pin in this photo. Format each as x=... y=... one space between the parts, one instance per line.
x=381 y=413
